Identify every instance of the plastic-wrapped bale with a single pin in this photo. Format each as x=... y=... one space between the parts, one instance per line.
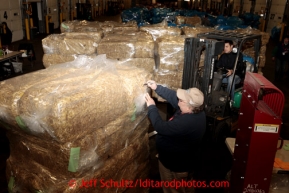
x=13 y=89
x=145 y=63
x=92 y=150
x=170 y=79
x=50 y=44
x=88 y=26
x=194 y=31
x=52 y=59
x=263 y=50
x=180 y=20
x=69 y=26
x=159 y=31
x=193 y=21
x=250 y=52
x=62 y=105
x=79 y=45
x=264 y=35
x=96 y=36
x=130 y=26
x=117 y=46
x=170 y=53
x=130 y=163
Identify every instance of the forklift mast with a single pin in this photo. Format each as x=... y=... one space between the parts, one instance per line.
x=194 y=75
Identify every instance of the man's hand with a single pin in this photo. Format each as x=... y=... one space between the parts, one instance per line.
x=152 y=84
x=149 y=100
x=229 y=73
x=273 y=58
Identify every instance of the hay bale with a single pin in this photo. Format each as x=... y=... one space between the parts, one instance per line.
x=194 y=31
x=180 y=20
x=117 y=46
x=263 y=50
x=66 y=103
x=50 y=44
x=52 y=59
x=95 y=147
x=193 y=20
x=13 y=89
x=96 y=36
x=129 y=163
x=159 y=31
x=170 y=53
x=81 y=45
x=145 y=63
x=68 y=26
x=171 y=79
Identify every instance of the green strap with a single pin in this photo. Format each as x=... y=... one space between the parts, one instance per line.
x=73 y=159
x=11 y=184
x=133 y=117
x=21 y=123
x=286 y=147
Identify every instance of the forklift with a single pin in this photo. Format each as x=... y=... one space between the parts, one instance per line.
x=222 y=118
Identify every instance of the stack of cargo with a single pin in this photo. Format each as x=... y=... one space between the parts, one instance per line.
x=72 y=124
x=160 y=30
x=136 y=48
x=248 y=48
x=194 y=31
x=60 y=48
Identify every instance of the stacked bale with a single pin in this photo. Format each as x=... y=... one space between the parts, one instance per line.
x=59 y=48
x=170 y=61
x=194 y=31
x=134 y=48
x=75 y=122
x=193 y=21
x=248 y=48
x=160 y=30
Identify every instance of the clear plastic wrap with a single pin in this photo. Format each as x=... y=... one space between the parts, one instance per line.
x=50 y=44
x=194 y=31
x=94 y=148
x=96 y=36
x=129 y=163
x=161 y=29
x=60 y=104
x=170 y=53
x=117 y=46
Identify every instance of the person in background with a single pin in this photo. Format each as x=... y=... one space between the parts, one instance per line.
x=227 y=62
x=178 y=140
x=280 y=55
x=206 y=21
x=6 y=36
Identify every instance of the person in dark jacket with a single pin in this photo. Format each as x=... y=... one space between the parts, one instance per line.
x=281 y=56
x=178 y=139
x=6 y=35
x=227 y=62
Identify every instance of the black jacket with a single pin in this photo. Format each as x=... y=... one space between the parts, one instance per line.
x=227 y=61
x=279 y=52
x=177 y=140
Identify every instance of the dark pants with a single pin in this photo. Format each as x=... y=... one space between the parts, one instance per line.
x=279 y=69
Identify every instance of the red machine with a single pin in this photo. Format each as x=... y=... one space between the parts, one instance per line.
x=257 y=136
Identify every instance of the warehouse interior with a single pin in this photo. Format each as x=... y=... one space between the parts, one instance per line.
x=216 y=160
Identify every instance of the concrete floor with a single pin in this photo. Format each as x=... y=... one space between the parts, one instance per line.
x=216 y=160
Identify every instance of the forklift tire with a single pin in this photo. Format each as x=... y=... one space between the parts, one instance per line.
x=222 y=131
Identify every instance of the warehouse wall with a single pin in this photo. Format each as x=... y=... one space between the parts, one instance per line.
x=13 y=19
x=276 y=14
x=52 y=10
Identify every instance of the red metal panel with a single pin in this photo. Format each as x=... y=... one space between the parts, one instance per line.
x=256 y=140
